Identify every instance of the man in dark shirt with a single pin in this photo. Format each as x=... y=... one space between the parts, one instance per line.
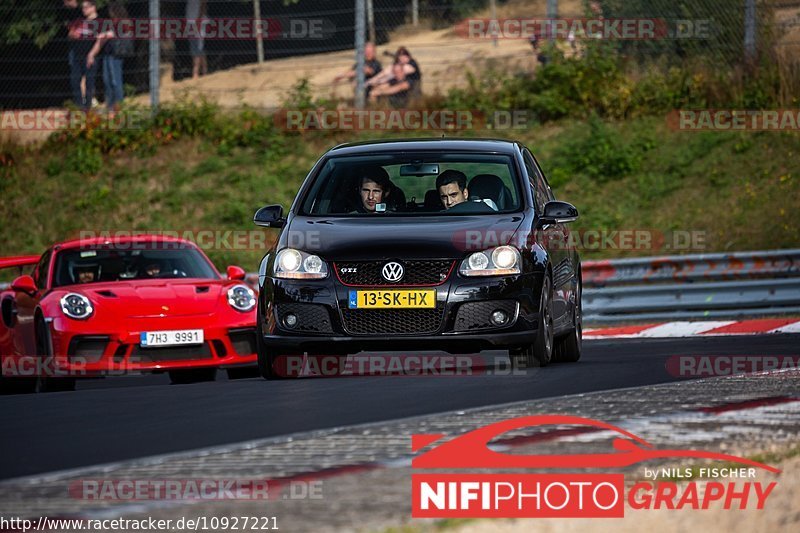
x=397 y=90
x=82 y=35
x=371 y=66
x=71 y=14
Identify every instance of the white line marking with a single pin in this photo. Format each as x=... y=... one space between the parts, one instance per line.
x=682 y=329
x=788 y=328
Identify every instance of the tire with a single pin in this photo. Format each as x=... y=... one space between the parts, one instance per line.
x=194 y=375
x=265 y=361
x=242 y=372
x=44 y=348
x=540 y=353
x=14 y=385
x=568 y=349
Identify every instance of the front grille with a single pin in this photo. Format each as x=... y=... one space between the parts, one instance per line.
x=380 y=321
x=311 y=318
x=171 y=353
x=475 y=315
x=416 y=272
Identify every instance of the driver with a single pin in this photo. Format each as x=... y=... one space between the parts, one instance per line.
x=452 y=188
x=85 y=273
x=373 y=190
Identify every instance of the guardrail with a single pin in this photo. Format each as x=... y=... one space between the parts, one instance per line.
x=692 y=286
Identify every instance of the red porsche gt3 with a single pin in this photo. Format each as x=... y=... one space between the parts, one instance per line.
x=124 y=305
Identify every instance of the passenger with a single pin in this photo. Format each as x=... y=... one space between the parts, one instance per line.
x=452 y=187
x=152 y=270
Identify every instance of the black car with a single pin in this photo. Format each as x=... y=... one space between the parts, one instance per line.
x=372 y=255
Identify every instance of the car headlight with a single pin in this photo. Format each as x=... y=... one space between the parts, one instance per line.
x=499 y=261
x=76 y=306
x=294 y=264
x=241 y=297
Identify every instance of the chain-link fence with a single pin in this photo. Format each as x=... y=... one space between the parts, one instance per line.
x=253 y=51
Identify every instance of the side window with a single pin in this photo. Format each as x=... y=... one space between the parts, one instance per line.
x=538 y=186
x=40 y=270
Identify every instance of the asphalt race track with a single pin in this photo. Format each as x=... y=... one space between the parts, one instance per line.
x=123 y=418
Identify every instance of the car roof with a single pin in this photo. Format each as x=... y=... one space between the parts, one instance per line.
x=412 y=145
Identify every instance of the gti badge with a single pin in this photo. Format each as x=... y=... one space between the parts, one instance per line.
x=392 y=271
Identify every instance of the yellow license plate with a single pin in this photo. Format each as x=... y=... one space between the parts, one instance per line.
x=397 y=299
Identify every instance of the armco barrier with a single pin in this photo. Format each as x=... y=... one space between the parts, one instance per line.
x=692 y=286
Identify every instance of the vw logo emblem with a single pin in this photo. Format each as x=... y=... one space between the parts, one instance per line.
x=392 y=271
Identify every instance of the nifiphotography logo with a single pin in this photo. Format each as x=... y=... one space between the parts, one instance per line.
x=569 y=495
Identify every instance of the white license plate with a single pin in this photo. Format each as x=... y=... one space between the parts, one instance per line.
x=179 y=337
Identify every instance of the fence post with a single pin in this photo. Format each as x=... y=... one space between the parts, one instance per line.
x=155 y=55
x=415 y=13
x=750 y=30
x=259 y=37
x=371 y=21
x=360 y=42
x=552 y=12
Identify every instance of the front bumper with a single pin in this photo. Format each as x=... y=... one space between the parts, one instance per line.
x=328 y=300
x=82 y=351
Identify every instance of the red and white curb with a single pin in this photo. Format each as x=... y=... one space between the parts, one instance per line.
x=763 y=326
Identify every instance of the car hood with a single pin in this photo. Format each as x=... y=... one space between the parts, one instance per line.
x=419 y=237
x=138 y=299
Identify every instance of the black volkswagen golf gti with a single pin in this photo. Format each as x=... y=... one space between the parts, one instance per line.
x=452 y=245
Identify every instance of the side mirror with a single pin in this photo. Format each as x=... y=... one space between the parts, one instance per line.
x=556 y=212
x=24 y=284
x=235 y=273
x=270 y=216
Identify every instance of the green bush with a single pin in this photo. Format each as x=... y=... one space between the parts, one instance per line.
x=83 y=159
x=599 y=152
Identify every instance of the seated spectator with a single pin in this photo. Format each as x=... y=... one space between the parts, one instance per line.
x=371 y=66
x=410 y=67
x=397 y=91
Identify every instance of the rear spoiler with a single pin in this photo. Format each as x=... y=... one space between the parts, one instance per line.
x=18 y=261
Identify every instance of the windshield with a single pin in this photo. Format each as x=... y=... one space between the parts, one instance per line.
x=414 y=184
x=128 y=261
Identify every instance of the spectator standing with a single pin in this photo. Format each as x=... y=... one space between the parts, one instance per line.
x=83 y=34
x=72 y=16
x=113 y=50
x=197 y=10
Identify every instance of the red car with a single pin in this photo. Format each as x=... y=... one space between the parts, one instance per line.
x=124 y=305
